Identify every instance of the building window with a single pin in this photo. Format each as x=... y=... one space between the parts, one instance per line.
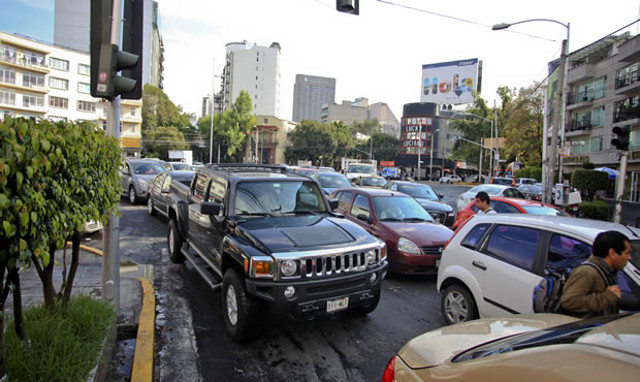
x=59 y=102
x=7 y=75
x=84 y=69
x=7 y=53
x=32 y=59
x=59 y=64
x=32 y=100
x=32 y=80
x=58 y=83
x=7 y=97
x=84 y=88
x=54 y=118
x=86 y=106
x=133 y=112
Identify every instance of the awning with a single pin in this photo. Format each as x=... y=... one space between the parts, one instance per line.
x=612 y=173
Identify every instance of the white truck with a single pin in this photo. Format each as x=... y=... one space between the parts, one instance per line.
x=355 y=168
x=183 y=156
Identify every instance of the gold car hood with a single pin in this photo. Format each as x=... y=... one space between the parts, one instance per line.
x=435 y=347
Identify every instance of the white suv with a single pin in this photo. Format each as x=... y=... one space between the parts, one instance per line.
x=493 y=263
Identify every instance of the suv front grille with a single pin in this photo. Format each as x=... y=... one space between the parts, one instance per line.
x=432 y=250
x=328 y=265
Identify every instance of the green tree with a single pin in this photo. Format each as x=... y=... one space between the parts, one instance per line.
x=236 y=124
x=160 y=140
x=523 y=123
x=310 y=141
x=385 y=146
x=473 y=129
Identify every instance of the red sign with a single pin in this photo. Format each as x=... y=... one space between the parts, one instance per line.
x=387 y=163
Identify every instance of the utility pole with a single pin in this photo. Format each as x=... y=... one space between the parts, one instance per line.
x=213 y=108
x=622 y=171
x=557 y=116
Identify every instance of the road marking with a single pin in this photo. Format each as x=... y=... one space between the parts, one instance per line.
x=142 y=370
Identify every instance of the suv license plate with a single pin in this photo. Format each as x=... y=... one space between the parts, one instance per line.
x=339 y=304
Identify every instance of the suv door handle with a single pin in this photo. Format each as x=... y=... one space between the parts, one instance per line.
x=479 y=264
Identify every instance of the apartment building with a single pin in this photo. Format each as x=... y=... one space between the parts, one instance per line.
x=604 y=92
x=43 y=81
x=309 y=94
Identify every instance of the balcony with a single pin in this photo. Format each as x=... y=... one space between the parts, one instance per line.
x=627 y=115
x=33 y=64
x=628 y=84
x=578 y=127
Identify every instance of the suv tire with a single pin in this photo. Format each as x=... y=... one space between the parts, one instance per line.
x=239 y=309
x=150 y=207
x=458 y=305
x=174 y=243
x=133 y=198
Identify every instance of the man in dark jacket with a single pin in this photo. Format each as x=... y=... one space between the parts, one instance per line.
x=590 y=290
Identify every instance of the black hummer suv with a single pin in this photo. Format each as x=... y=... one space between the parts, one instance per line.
x=269 y=235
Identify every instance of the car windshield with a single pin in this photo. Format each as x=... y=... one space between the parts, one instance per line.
x=489 y=189
x=399 y=208
x=503 y=181
x=361 y=169
x=544 y=210
x=531 y=189
x=329 y=181
x=373 y=181
x=180 y=166
x=561 y=334
x=418 y=191
x=151 y=168
x=278 y=198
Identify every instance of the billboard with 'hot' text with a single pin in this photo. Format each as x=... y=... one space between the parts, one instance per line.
x=449 y=82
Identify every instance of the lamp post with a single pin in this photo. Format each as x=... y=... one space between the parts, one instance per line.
x=431 y=155
x=559 y=112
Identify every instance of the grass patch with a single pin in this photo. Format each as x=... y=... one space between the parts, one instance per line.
x=63 y=346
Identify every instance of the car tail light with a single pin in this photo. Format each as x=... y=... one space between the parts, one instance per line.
x=390 y=371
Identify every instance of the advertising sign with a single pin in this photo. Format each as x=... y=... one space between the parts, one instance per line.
x=449 y=82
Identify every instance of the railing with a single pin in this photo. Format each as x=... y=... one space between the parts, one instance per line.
x=35 y=62
x=575 y=125
x=625 y=115
x=627 y=79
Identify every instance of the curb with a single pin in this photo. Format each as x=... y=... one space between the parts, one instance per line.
x=143 y=357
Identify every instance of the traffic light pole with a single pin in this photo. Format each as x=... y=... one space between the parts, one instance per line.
x=624 y=155
x=111 y=233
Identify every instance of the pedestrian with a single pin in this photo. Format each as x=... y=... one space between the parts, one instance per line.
x=483 y=202
x=590 y=290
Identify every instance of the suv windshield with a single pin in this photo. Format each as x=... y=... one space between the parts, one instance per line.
x=278 y=198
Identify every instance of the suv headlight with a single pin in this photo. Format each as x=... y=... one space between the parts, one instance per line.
x=407 y=246
x=370 y=257
x=288 y=268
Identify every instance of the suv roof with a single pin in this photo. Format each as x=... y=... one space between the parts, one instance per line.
x=244 y=171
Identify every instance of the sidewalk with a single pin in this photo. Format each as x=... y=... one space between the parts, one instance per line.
x=136 y=311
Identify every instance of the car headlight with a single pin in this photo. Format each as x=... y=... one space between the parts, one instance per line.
x=288 y=268
x=370 y=257
x=407 y=246
x=143 y=184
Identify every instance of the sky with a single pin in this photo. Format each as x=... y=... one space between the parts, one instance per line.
x=377 y=55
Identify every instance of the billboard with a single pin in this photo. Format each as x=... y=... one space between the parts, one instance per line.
x=449 y=82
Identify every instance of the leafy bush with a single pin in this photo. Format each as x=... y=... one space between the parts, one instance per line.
x=589 y=181
x=598 y=209
x=529 y=172
x=63 y=345
x=588 y=165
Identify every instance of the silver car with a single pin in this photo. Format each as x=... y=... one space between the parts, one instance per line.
x=135 y=176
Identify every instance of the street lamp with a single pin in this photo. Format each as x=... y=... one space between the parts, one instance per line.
x=431 y=155
x=559 y=112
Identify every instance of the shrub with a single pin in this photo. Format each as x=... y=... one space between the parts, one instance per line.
x=63 y=345
x=589 y=181
x=588 y=166
x=599 y=210
x=529 y=172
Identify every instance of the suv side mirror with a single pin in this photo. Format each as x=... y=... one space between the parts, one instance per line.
x=333 y=203
x=210 y=208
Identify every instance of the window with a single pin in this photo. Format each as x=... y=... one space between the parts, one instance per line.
x=473 y=237
x=33 y=59
x=84 y=69
x=504 y=208
x=59 y=64
x=361 y=207
x=505 y=238
x=7 y=97
x=200 y=187
x=54 y=118
x=566 y=252
x=84 y=88
x=344 y=199
x=86 y=106
x=7 y=53
x=32 y=100
x=133 y=112
x=7 y=75
x=31 y=80
x=58 y=83
x=59 y=102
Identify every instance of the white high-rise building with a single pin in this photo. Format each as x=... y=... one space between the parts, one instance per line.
x=255 y=69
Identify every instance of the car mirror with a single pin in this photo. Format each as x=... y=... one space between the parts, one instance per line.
x=365 y=218
x=440 y=196
x=333 y=203
x=210 y=208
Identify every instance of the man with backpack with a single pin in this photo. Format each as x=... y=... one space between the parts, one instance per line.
x=590 y=290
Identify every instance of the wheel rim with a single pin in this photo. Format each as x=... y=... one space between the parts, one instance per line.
x=132 y=195
x=232 y=305
x=150 y=205
x=456 y=307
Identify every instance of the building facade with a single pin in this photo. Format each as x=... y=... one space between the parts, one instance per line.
x=388 y=120
x=603 y=92
x=268 y=140
x=42 y=81
x=348 y=112
x=256 y=70
x=310 y=93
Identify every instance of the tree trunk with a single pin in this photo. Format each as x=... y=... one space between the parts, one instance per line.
x=48 y=289
x=13 y=277
x=75 y=259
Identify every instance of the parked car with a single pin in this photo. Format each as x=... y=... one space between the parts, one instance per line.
x=531 y=191
x=450 y=179
x=308 y=171
x=509 y=206
x=503 y=181
x=493 y=264
x=523 y=181
x=331 y=181
x=492 y=189
x=135 y=176
x=175 y=166
x=414 y=241
x=166 y=189
x=370 y=181
x=428 y=199
x=540 y=347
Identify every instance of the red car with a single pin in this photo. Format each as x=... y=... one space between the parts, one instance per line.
x=414 y=241
x=509 y=206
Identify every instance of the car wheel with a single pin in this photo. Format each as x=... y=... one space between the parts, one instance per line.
x=458 y=305
x=369 y=306
x=174 y=242
x=150 y=207
x=238 y=307
x=133 y=198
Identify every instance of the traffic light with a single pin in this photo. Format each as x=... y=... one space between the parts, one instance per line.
x=107 y=59
x=621 y=142
x=348 y=6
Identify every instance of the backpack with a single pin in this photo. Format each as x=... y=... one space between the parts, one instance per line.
x=547 y=294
